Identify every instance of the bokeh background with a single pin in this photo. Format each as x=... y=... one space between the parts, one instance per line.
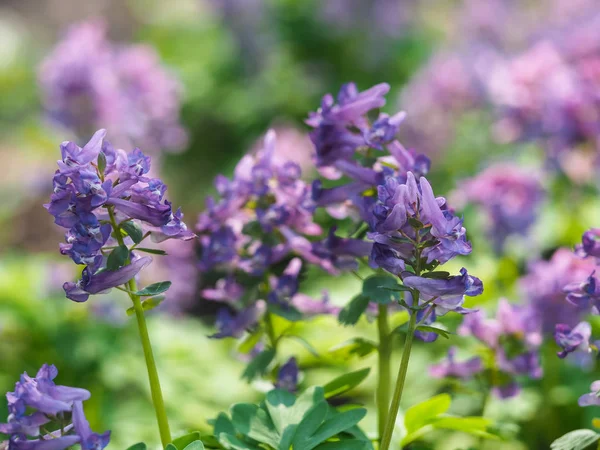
x=483 y=82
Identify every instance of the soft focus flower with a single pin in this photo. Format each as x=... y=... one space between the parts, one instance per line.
x=543 y=287
x=35 y=402
x=510 y=197
x=593 y=398
x=89 y=82
x=287 y=377
x=572 y=339
x=513 y=338
x=590 y=244
x=455 y=369
x=234 y=325
x=95 y=188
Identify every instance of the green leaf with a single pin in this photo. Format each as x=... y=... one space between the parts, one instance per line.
x=233 y=443
x=170 y=447
x=138 y=446
x=153 y=251
x=345 y=382
x=575 y=440
x=250 y=341
x=102 y=164
x=223 y=425
x=154 y=289
x=360 y=347
x=438 y=331
x=280 y=406
x=381 y=289
x=133 y=230
x=258 y=366
x=147 y=304
x=477 y=426
x=254 y=422
x=336 y=424
x=423 y=413
x=353 y=310
x=415 y=223
x=183 y=441
x=288 y=312
x=309 y=424
x=196 y=445
x=117 y=257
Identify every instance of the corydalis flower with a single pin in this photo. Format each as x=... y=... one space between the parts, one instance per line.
x=572 y=339
x=590 y=244
x=592 y=398
x=287 y=377
x=125 y=89
x=513 y=338
x=456 y=369
x=34 y=403
x=510 y=197
x=95 y=187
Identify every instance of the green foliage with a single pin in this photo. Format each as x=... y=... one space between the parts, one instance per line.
x=147 y=304
x=138 y=446
x=196 y=445
x=117 y=257
x=575 y=440
x=283 y=421
x=258 y=366
x=358 y=346
x=153 y=251
x=429 y=415
x=381 y=289
x=344 y=383
x=350 y=314
x=133 y=230
x=288 y=312
x=183 y=441
x=154 y=289
x=438 y=331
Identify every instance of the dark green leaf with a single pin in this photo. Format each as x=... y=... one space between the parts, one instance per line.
x=258 y=366
x=360 y=347
x=575 y=440
x=415 y=223
x=154 y=289
x=288 y=312
x=345 y=382
x=170 y=447
x=353 y=310
x=117 y=257
x=183 y=441
x=254 y=422
x=233 y=443
x=437 y=274
x=309 y=424
x=147 y=304
x=381 y=289
x=280 y=406
x=348 y=444
x=153 y=251
x=223 y=425
x=336 y=424
x=102 y=164
x=438 y=331
x=133 y=230
x=138 y=446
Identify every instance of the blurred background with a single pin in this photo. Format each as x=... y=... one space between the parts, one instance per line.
x=511 y=87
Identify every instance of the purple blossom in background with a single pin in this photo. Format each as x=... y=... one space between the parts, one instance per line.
x=95 y=187
x=572 y=339
x=513 y=338
x=543 y=287
x=593 y=398
x=455 y=369
x=590 y=244
x=89 y=82
x=510 y=197
x=287 y=377
x=34 y=403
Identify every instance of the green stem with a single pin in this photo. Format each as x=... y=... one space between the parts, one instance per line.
x=155 y=389
x=270 y=330
x=384 y=381
x=393 y=413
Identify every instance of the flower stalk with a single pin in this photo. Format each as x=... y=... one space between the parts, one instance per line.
x=385 y=355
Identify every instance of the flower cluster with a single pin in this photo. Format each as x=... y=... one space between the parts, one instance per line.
x=38 y=403
x=511 y=341
x=105 y=201
x=510 y=197
x=88 y=82
x=257 y=232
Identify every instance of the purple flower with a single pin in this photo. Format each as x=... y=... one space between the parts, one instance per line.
x=311 y=307
x=34 y=403
x=287 y=377
x=234 y=325
x=88 y=439
x=572 y=339
x=104 y=280
x=590 y=244
x=455 y=369
x=447 y=294
x=593 y=398
x=226 y=290
x=88 y=81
